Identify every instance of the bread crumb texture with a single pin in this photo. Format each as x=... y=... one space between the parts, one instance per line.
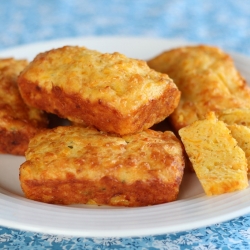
x=242 y=135
x=220 y=164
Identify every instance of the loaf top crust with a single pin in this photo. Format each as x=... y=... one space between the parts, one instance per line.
x=121 y=82
x=86 y=153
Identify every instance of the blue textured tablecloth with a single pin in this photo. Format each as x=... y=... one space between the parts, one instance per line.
x=225 y=23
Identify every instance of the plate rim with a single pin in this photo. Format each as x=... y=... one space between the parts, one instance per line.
x=12 y=199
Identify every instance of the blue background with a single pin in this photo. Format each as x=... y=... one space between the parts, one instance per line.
x=224 y=23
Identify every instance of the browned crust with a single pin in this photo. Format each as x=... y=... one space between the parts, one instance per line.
x=78 y=165
x=78 y=110
x=207 y=79
x=70 y=191
x=14 y=142
x=18 y=122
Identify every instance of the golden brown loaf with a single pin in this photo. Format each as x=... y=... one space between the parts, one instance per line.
x=18 y=122
x=220 y=164
x=69 y=165
x=109 y=91
x=207 y=79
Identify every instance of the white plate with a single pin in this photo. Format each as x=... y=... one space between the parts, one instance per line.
x=193 y=209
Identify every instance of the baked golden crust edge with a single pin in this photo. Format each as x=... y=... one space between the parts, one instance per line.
x=111 y=92
x=18 y=122
x=80 y=165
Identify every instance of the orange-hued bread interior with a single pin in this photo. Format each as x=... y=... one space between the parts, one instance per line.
x=219 y=163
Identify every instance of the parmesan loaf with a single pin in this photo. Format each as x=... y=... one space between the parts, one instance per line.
x=108 y=91
x=207 y=79
x=18 y=122
x=220 y=164
x=77 y=165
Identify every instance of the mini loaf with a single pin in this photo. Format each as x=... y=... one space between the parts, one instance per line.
x=108 y=91
x=79 y=165
x=208 y=81
x=18 y=122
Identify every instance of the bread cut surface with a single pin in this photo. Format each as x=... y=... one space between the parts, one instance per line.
x=241 y=134
x=78 y=165
x=18 y=122
x=239 y=116
x=219 y=163
x=207 y=79
x=109 y=91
